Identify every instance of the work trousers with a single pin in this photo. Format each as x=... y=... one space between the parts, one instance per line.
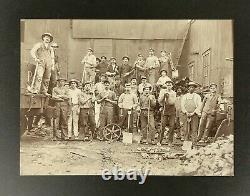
x=42 y=77
x=87 y=121
x=97 y=114
x=193 y=127
x=73 y=120
x=106 y=116
x=61 y=115
x=206 y=123
x=89 y=75
x=147 y=125
x=170 y=121
x=123 y=120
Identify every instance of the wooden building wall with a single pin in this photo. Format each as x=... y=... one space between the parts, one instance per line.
x=74 y=37
x=214 y=37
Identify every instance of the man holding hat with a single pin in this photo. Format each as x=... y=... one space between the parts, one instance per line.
x=74 y=94
x=87 y=110
x=107 y=99
x=166 y=99
x=126 y=70
x=43 y=54
x=146 y=109
x=190 y=106
x=210 y=106
x=89 y=63
x=152 y=64
x=61 y=97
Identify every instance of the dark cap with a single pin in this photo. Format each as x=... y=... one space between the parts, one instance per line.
x=91 y=49
x=143 y=77
x=73 y=80
x=125 y=57
x=192 y=84
x=60 y=79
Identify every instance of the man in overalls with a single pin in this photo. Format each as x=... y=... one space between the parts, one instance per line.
x=43 y=55
x=190 y=105
x=147 y=103
x=89 y=64
x=152 y=65
x=166 y=99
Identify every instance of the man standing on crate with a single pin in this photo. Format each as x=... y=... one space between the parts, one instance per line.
x=87 y=111
x=61 y=98
x=147 y=103
x=43 y=54
x=190 y=105
x=166 y=99
x=127 y=103
x=89 y=64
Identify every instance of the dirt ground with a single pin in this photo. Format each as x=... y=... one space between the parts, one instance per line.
x=41 y=156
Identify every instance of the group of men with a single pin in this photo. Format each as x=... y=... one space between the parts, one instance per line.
x=137 y=97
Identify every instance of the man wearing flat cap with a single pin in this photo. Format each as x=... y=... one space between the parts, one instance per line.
x=43 y=54
x=166 y=99
x=152 y=65
x=140 y=69
x=89 y=64
x=126 y=70
x=60 y=92
x=190 y=106
x=127 y=102
x=209 y=108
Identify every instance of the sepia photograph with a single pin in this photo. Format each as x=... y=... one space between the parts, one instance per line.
x=126 y=98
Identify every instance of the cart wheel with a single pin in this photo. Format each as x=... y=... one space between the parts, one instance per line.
x=112 y=132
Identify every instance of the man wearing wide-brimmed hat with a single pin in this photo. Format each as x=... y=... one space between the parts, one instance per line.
x=89 y=64
x=191 y=105
x=74 y=94
x=43 y=55
x=61 y=97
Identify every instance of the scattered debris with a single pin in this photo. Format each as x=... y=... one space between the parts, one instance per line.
x=78 y=154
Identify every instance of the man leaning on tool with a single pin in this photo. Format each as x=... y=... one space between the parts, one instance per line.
x=43 y=55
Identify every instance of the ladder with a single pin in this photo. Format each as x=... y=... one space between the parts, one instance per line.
x=182 y=44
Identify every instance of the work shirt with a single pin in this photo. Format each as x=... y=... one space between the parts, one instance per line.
x=86 y=100
x=89 y=59
x=191 y=102
x=102 y=67
x=99 y=87
x=169 y=103
x=125 y=69
x=74 y=95
x=110 y=95
x=142 y=85
x=127 y=101
x=140 y=64
x=118 y=89
x=60 y=93
x=113 y=68
x=152 y=62
x=211 y=103
x=144 y=101
x=162 y=80
x=43 y=52
x=166 y=63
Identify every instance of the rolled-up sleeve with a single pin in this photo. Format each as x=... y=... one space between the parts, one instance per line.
x=33 y=51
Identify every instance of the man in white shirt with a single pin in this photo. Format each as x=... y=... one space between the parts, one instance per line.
x=89 y=64
x=43 y=54
x=190 y=106
x=74 y=95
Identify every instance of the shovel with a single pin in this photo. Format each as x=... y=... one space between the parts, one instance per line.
x=187 y=145
x=128 y=137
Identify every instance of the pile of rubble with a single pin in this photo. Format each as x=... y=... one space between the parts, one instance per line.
x=216 y=159
x=158 y=153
